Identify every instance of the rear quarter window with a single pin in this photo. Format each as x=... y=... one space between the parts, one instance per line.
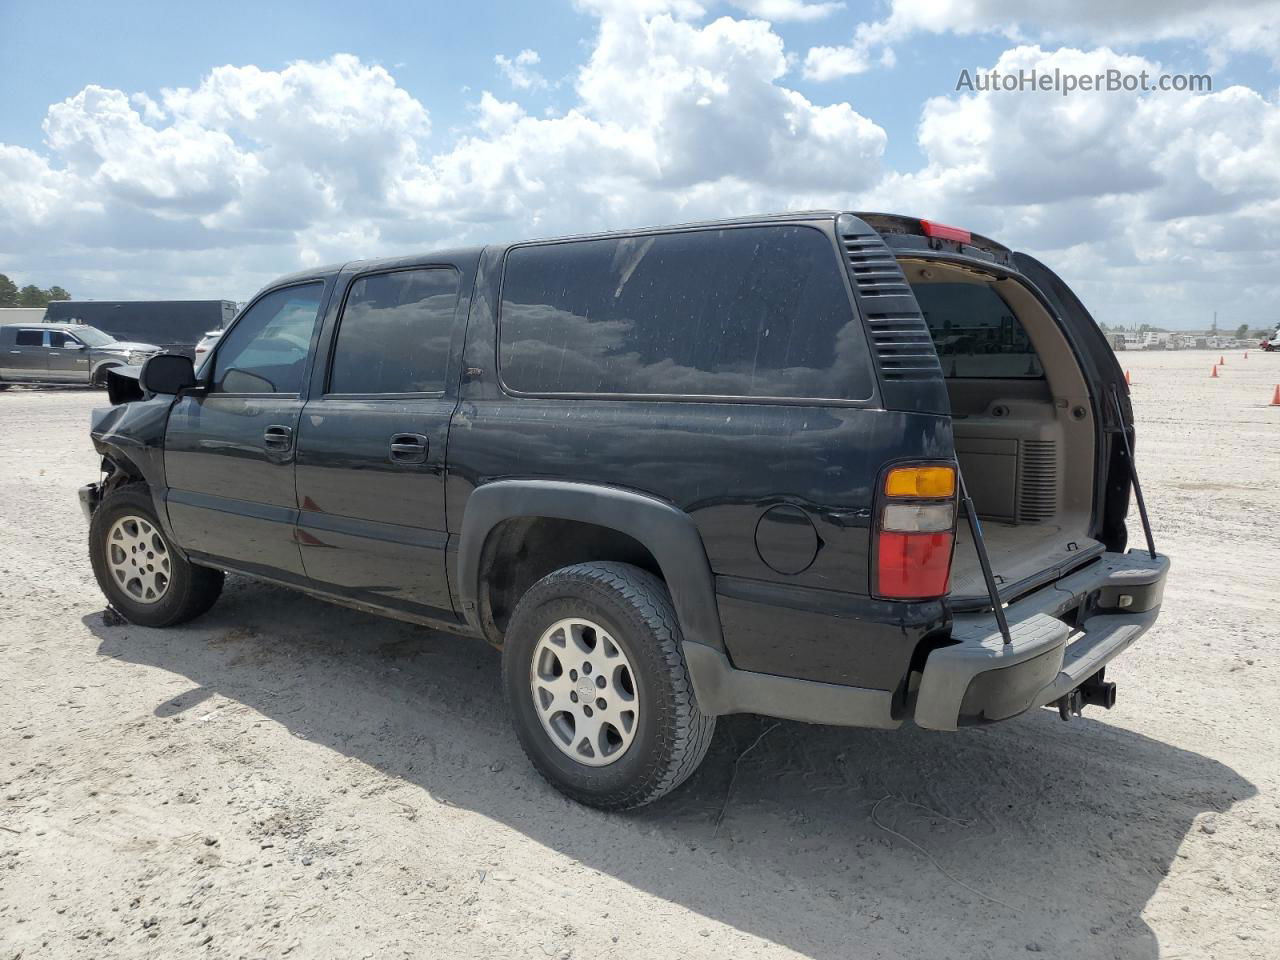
x=756 y=312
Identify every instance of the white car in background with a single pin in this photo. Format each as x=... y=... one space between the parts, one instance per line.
x=205 y=345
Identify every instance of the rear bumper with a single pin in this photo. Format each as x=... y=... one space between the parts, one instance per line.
x=1062 y=635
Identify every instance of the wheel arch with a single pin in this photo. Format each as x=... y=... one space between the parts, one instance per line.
x=99 y=371
x=666 y=535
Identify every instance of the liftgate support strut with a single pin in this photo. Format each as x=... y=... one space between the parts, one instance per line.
x=1133 y=471
x=984 y=561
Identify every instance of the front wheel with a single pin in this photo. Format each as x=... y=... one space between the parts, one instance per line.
x=598 y=688
x=138 y=570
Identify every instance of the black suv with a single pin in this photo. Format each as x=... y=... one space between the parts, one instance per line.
x=674 y=473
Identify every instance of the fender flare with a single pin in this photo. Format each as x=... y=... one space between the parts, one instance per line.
x=665 y=531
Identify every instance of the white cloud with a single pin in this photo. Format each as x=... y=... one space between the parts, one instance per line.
x=779 y=11
x=832 y=63
x=331 y=159
x=519 y=70
x=1158 y=206
x=1152 y=206
x=1224 y=27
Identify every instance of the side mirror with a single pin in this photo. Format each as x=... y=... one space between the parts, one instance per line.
x=74 y=346
x=167 y=373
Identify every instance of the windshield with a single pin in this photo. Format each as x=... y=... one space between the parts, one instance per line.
x=93 y=336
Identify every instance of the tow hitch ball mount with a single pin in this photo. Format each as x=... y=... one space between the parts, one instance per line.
x=1094 y=692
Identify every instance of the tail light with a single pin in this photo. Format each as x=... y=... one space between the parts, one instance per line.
x=915 y=532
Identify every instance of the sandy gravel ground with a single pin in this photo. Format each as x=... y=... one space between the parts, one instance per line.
x=284 y=777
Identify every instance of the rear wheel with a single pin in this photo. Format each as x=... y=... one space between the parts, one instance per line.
x=137 y=568
x=598 y=688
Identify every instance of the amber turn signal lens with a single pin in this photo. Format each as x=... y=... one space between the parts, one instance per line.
x=921 y=482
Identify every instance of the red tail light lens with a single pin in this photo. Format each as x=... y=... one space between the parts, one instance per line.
x=913 y=566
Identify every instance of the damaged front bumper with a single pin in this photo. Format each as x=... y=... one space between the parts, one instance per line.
x=1062 y=634
x=90 y=496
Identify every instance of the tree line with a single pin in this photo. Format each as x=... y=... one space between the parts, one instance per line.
x=11 y=295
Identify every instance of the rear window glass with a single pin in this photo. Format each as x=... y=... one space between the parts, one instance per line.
x=976 y=333
x=30 y=338
x=749 y=312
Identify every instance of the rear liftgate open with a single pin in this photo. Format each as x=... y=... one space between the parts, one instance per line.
x=1095 y=691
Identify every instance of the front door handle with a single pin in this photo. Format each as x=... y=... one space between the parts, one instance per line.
x=409 y=448
x=278 y=437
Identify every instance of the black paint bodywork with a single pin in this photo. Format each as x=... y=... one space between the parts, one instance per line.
x=689 y=480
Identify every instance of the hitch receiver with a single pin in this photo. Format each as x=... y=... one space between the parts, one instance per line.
x=1094 y=692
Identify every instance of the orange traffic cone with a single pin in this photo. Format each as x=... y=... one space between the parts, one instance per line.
x=1127 y=381
x=1213 y=374
x=1275 y=399
x=1222 y=361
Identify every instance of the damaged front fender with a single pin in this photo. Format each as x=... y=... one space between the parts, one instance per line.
x=130 y=438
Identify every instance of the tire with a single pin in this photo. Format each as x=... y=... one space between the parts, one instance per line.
x=99 y=379
x=187 y=590
x=669 y=734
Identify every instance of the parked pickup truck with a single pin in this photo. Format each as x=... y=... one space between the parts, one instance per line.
x=43 y=353
x=673 y=473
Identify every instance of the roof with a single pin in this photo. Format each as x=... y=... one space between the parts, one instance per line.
x=462 y=253
x=693 y=224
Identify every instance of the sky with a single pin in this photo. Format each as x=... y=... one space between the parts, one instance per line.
x=154 y=150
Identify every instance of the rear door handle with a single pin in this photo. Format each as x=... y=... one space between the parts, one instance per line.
x=278 y=437
x=409 y=448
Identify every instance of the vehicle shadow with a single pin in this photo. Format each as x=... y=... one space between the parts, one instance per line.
x=1031 y=835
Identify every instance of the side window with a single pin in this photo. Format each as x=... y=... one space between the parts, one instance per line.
x=30 y=338
x=395 y=332
x=745 y=312
x=976 y=333
x=59 y=339
x=266 y=351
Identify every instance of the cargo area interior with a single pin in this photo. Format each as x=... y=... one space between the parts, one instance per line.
x=1023 y=427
